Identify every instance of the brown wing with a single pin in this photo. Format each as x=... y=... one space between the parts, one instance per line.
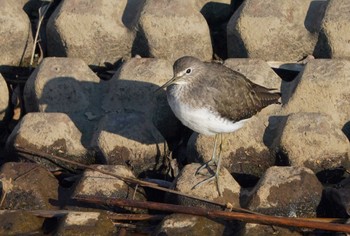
x=238 y=98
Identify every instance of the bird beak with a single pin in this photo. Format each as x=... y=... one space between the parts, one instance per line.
x=166 y=84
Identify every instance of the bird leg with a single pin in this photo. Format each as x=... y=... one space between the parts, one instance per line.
x=216 y=175
x=213 y=157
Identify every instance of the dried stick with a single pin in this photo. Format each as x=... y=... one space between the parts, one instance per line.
x=42 y=12
x=136 y=217
x=111 y=215
x=246 y=217
x=128 y=179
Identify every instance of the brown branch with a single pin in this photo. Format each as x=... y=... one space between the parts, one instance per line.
x=127 y=179
x=111 y=215
x=136 y=217
x=246 y=217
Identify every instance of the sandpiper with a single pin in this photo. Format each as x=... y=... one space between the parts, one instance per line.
x=212 y=99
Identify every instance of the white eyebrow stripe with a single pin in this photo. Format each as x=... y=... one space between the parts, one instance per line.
x=181 y=73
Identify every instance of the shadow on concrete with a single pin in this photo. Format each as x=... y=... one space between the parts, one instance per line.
x=313 y=23
x=83 y=103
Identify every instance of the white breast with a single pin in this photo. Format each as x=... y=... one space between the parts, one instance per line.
x=202 y=120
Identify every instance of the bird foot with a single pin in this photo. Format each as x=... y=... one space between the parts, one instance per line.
x=207 y=180
x=204 y=181
x=206 y=165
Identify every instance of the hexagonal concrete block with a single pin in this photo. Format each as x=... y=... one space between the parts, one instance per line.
x=270 y=30
x=175 y=31
x=94 y=183
x=52 y=133
x=61 y=85
x=181 y=224
x=93 y=32
x=16 y=41
x=287 y=191
x=312 y=140
x=20 y=223
x=188 y=179
x=86 y=223
x=66 y=85
x=27 y=186
x=321 y=87
x=133 y=88
x=256 y=70
x=251 y=229
x=130 y=139
x=334 y=35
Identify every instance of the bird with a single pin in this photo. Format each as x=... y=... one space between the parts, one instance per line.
x=212 y=99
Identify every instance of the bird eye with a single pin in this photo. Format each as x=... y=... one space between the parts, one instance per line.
x=188 y=71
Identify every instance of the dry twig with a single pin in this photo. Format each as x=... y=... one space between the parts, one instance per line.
x=128 y=179
x=42 y=12
x=214 y=214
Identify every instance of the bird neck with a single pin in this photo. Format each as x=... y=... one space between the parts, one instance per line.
x=177 y=91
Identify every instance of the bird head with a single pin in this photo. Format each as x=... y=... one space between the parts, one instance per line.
x=184 y=69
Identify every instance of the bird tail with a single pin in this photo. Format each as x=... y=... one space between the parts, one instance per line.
x=268 y=96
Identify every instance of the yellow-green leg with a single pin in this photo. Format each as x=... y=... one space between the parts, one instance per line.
x=213 y=160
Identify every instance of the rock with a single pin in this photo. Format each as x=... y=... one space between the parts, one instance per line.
x=132 y=12
x=162 y=34
x=322 y=87
x=66 y=85
x=130 y=139
x=334 y=36
x=251 y=229
x=61 y=85
x=93 y=32
x=86 y=223
x=215 y=11
x=51 y=133
x=287 y=191
x=244 y=152
x=187 y=179
x=132 y=88
x=20 y=223
x=270 y=30
x=181 y=224
x=94 y=183
x=326 y=145
x=4 y=99
x=27 y=186
x=256 y=70
x=16 y=35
